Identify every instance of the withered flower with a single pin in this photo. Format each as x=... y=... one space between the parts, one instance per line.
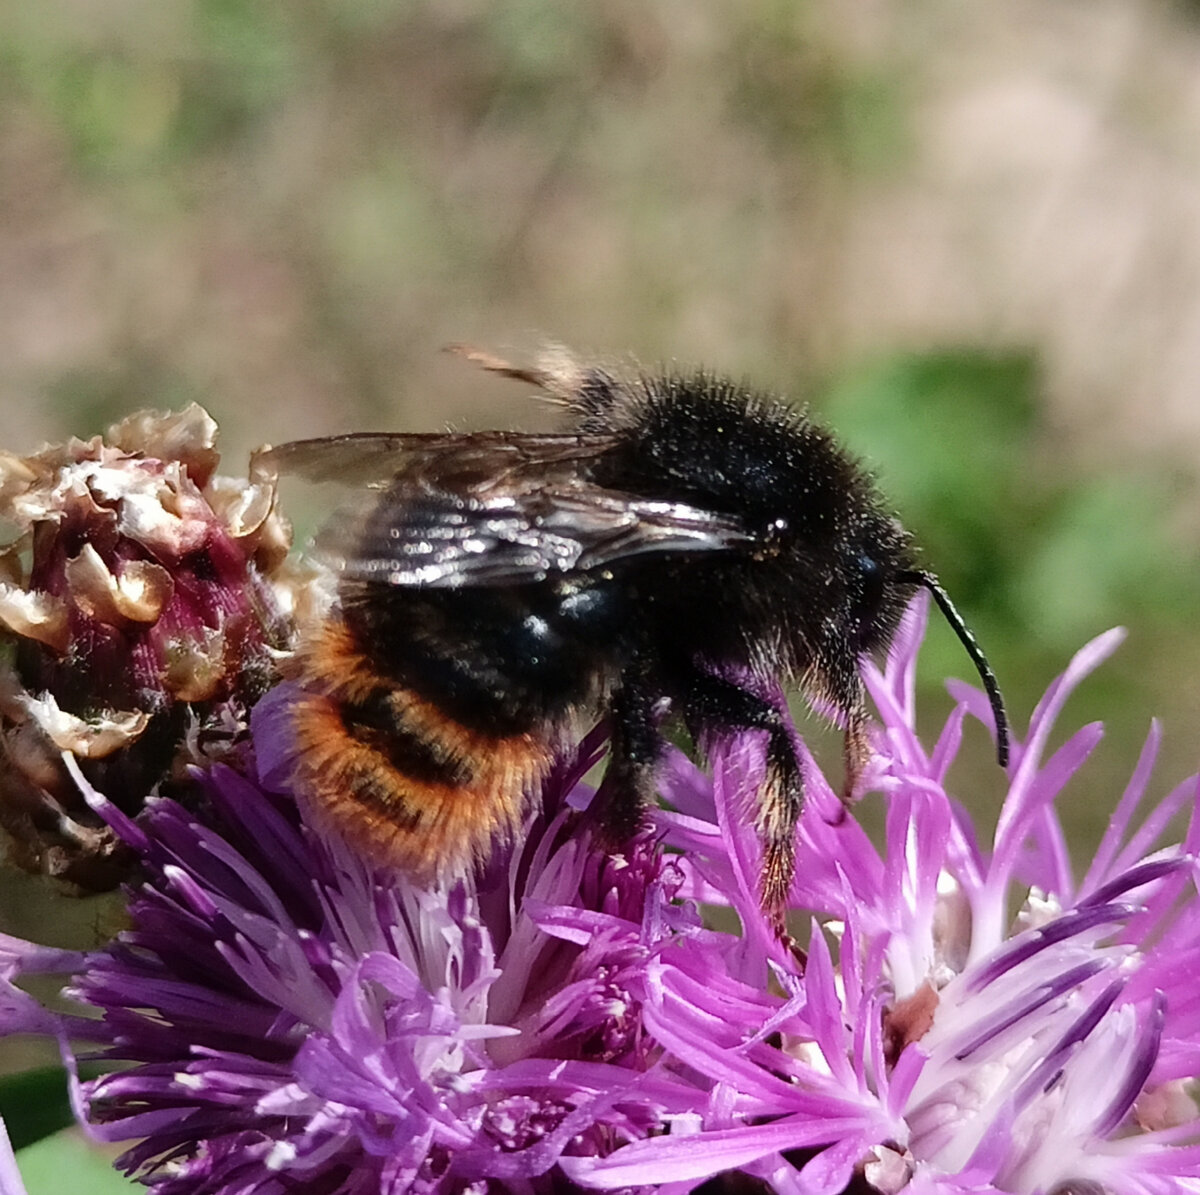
x=139 y=615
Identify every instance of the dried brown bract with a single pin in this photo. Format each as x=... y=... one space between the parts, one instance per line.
x=141 y=612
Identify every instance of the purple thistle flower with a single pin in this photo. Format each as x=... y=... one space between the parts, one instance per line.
x=291 y=1019
x=930 y=1046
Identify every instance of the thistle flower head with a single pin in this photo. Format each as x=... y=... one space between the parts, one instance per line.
x=289 y=1019
x=933 y=1043
x=136 y=622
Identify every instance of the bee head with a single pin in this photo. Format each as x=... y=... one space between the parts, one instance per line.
x=877 y=565
x=855 y=573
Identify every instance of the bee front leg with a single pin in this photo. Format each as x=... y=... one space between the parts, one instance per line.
x=716 y=704
x=635 y=749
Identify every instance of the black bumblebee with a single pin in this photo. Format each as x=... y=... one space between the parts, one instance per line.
x=687 y=540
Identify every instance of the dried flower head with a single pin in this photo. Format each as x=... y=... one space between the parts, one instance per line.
x=137 y=620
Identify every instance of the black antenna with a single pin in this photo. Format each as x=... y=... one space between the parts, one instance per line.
x=930 y=582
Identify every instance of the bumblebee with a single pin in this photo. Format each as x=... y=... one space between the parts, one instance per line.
x=683 y=546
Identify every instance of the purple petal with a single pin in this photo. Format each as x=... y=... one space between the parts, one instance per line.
x=10 y=1176
x=688 y=1157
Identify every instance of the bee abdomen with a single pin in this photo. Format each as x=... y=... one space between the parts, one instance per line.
x=380 y=724
x=403 y=783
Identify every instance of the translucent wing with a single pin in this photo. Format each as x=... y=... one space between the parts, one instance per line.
x=375 y=458
x=491 y=508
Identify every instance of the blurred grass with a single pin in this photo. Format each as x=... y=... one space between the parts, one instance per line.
x=67 y=1162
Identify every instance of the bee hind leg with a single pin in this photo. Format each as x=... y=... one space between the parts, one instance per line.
x=715 y=704
x=635 y=749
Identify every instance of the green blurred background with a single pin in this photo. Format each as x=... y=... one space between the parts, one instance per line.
x=967 y=234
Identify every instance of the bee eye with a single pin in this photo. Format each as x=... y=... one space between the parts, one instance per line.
x=869 y=570
x=869 y=598
x=771 y=539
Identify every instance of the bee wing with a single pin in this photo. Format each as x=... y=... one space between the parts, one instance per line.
x=445 y=541
x=492 y=508
x=376 y=458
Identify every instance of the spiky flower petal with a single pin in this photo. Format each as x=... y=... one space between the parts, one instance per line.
x=933 y=1044
x=287 y=1016
x=289 y=1019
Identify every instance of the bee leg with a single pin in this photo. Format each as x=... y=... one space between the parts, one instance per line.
x=716 y=704
x=856 y=752
x=634 y=752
